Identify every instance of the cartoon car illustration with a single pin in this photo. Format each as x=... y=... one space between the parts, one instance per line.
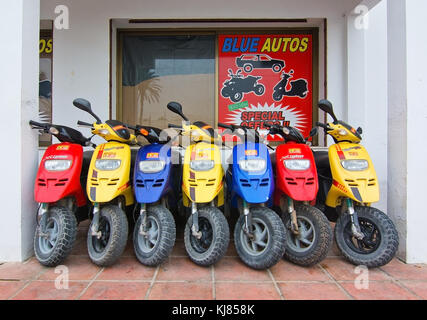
x=259 y=61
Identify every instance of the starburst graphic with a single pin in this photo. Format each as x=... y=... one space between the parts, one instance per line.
x=296 y=117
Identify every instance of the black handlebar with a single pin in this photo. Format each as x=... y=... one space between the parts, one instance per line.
x=322 y=125
x=82 y=123
x=171 y=125
x=225 y=126
x=38 y=124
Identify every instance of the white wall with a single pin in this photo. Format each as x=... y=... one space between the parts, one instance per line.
x=367 y=87
x=416 y=52
x=19 y=62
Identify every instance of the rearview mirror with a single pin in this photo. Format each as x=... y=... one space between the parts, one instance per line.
x=326 y=106
x=176 y=107
x=84 y=105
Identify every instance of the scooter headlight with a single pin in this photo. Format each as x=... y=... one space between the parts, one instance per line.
x=202 y=165
x=355 y=165
x=57 y=165
x=297 y=165
x=151 y=166
x=342 y=132
x=107 y=165
x=252 y=165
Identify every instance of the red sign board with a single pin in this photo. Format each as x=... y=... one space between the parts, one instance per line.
x=266 y=78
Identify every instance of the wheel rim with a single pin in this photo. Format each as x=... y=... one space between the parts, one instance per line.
x=248 y=68
x=148 y=243
x=306 y=237
x=237 y=96
x=370 y=242
x=47 y=245
x=204 y=243
x=261 y=238
x=100 y=244
x=276 y=68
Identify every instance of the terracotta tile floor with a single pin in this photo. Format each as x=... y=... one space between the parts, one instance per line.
x=229 y=279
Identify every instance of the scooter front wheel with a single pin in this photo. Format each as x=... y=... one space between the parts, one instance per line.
x=56 y=243
x=155 y=245
x=277 y=96
x=314 y=239
x=236 y=96
x=268 y=242
x=107 y=247
x=380 y=243
x=213 y=244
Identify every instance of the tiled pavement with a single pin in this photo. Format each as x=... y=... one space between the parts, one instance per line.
x=180 y=279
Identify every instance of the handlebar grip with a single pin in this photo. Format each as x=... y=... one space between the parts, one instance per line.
x=82 y=123
x=267 y=125
x=225 y=126
x=171 y=125
x=37 y=124
x=322 y=125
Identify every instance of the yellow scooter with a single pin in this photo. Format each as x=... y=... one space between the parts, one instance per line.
x=108 y=188
x=206 y=234
x=348 y=185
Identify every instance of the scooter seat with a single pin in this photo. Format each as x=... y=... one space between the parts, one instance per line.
x=322 y=159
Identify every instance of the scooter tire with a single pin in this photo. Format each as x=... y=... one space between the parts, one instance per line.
x=67 y=230
x=277 y=96
x=236 y=97
x=117 y=239
x=321 y=241
x=259 y=90
x=213 y=217
x=160 y=217
x=389 y=238
x=275 y=246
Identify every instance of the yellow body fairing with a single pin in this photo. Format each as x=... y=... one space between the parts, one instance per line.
x=106 y=185
x=360 y=186
x=105 y=131
x=203 y=186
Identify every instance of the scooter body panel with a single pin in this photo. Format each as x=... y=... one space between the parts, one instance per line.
x=253 y=187
x=151 y=187
x=360 y=186
x=105 y=185
x=299 y=185
x=52 y=186
x=202 y=186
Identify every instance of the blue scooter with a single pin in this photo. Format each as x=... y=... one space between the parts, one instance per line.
x=259 y=234
x=155 y=231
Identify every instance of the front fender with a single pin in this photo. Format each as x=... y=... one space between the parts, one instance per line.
x=202 y=186
x=360 y=186
x=151 y=187
x=253 y=187
x=104 y=186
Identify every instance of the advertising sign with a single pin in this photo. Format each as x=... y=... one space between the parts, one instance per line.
x=266 y=78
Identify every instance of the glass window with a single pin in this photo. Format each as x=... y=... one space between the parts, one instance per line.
x=160 y=69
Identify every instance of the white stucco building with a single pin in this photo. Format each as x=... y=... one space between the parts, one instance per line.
x=371 y=65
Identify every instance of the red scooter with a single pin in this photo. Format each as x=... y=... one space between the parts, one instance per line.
x=309 y=238
x=59 y=192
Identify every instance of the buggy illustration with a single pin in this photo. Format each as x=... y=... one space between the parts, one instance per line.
x=237 y=85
